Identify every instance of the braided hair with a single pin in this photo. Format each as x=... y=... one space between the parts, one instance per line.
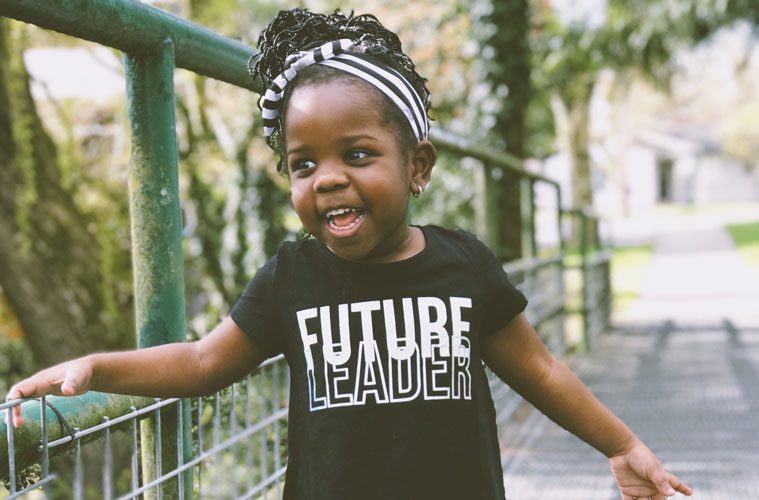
x=300 y=30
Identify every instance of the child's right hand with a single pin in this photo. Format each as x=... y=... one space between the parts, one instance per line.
x=71 y=378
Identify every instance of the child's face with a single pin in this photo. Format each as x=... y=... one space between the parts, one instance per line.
x=350 y=180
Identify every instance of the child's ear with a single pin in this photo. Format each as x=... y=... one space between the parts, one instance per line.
x=422 y=161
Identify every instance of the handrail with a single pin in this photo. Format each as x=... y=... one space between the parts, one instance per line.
x=139 y=29
x=81 y=412
x=533 y=263
x=464 y=147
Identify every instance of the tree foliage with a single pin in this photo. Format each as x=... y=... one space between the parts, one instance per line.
x=61 y=275
x=635 y=38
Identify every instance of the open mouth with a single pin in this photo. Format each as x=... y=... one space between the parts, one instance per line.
x=344 y=219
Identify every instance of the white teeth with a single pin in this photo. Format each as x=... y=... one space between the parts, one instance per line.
x=339 y=211
x=349 y=226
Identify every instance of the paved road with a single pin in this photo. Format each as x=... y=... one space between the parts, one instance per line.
x=682 y=370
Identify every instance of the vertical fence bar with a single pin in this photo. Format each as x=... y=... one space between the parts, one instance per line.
x=275 y=399
x=249 y=441
x=158 y=454
x=559 y=277
x=560 y=220
x=489 y=208
x=609 y=294
x=107 y=463
x=156 y=227
x=262 y=441
x=219 y=471
x=584 y=308
x=45 y=459
x=217 y=420
x=235 y=447
x=11 y=449
x=180 y=446
x=78 y=469
x=527 y=211
x=533 y=219
x=199 y=491
x=134 y=462
x=561 y=272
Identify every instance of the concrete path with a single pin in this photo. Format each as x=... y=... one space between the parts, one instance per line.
x=682 y=370
x=696 y=275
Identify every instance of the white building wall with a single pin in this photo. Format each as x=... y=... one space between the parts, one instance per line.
x=642 y=180
x=721 y=180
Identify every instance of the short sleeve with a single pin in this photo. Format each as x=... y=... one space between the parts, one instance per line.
x=256 y=311
x=503 y=302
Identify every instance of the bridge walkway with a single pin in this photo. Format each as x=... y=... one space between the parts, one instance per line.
x=681 y=368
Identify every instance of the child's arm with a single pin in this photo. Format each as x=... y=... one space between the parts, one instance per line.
x=519 y=358
x=172 y=370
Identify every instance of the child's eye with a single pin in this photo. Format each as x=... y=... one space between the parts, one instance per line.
x=302 y=165
x=357 y=155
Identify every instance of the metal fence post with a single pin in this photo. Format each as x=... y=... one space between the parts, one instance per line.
x=527 y=209
x=488 y=208
x=585 y=306
x=562 y=268
x=156 y=232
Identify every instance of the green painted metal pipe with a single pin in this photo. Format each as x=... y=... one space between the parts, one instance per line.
x=137 y=28
x=80 y=412
x=157 y=236
x=464 y=147
x=154 y=199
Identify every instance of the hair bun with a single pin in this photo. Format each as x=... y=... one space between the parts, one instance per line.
x=298 y=30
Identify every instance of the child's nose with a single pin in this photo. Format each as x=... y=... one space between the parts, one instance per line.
x=330 y=177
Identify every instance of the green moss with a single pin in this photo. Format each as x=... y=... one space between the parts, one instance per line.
x=22 y=130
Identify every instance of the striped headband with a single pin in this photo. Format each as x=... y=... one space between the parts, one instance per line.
x=333 y=54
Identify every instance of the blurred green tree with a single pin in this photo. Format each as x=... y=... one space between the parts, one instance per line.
x=61 y=271
x=634 y=38
x=506 y=54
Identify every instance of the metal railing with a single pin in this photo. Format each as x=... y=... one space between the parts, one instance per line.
x=593 y=263
x=237 y=445
x=542 y=278
x=229 y=445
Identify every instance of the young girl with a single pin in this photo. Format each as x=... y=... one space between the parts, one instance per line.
x=384 y=325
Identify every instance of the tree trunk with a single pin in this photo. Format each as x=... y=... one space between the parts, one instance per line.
x=572 y=121
x=509 y=78
x=51 y=267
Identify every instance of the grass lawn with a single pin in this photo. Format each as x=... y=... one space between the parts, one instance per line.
x=746 y=239
x=703 y=208
x=628 y=270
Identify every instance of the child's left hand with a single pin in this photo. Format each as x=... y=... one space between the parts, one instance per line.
x=640 y=475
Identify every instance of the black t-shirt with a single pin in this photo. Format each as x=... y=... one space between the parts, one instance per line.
x=388 y=395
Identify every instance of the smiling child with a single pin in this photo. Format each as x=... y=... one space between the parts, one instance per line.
x=385 y=326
